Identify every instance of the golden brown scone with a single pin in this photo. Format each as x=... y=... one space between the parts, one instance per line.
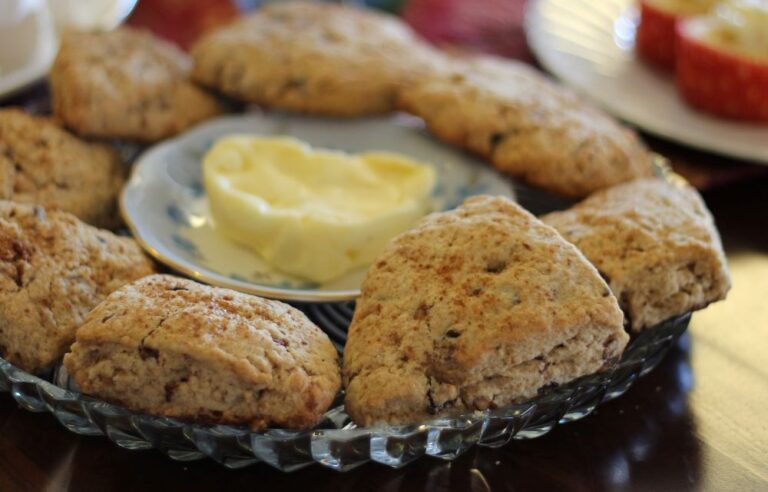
x=169 y=346
x=312 y=57
x=126 y=84
x=473 y=309
x=41 y=163
x=655 y=243
x=53 y=270
x=527 y=125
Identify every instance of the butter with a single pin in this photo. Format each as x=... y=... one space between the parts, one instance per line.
x=312 y=213
x=741 y=26
x=683 y=8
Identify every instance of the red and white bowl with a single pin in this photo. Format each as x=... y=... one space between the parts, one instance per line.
x=655 y=41
x=717 y=80
x=656 y=33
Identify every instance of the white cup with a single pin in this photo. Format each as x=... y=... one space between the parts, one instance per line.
x=90 y=15
x=27 y=41
x=29 y=31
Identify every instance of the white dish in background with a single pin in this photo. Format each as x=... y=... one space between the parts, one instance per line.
x=29 y=39
x=90 y=15
x=27 y=43
x=165 y=204
x=589 y=45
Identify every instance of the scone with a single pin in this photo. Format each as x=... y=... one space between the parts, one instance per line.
x=53 y=270
x=41 y=163
x=126 y=84
x=655 y=243
x=527 y=126
x=312 y=57
x=169 y=346
x=474 y=309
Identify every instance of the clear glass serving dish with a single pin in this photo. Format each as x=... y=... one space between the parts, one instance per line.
x=337 y=442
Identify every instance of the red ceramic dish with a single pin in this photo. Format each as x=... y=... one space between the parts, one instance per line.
x=719 y=81
x=655 y=39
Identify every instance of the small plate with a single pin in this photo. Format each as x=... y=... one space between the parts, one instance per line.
x=590 y=46
x=165 y=204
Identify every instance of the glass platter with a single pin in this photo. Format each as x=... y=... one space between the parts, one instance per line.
x=336 y=442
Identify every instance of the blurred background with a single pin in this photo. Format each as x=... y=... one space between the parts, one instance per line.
x=28 y=43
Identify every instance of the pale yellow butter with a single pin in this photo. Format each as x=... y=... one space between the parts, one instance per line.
x=741 y=26
x=312 y=213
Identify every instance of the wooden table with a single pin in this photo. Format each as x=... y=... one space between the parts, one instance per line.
x=698 y=422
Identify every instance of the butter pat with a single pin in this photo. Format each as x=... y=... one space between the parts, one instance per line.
x=314 y=214
x=741 y=26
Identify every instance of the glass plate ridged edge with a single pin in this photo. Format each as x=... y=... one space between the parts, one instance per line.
x=336 y=442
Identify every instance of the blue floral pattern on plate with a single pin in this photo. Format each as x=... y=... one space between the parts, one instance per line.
x=166 y=207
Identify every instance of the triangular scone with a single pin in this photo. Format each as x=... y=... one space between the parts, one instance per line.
x=53 y=270
x=474 y=309
x=655 y=243
x=526 y=125
x=170 y=346
x=126 y=83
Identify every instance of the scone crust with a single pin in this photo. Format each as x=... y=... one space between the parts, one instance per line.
x=526 y=125
x=312 y=57
x=474 y=309
x=54 y=270
x=127 y=84
x=656 y=244
x=43 y=164
x=217 y=355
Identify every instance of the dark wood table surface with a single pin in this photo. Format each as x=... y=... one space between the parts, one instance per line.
x=698 y=422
